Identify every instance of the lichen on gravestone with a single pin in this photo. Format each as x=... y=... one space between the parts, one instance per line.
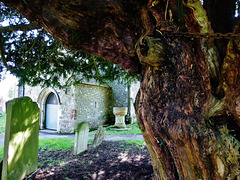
x=21 y=139
x=98 y=137
x=81 y=138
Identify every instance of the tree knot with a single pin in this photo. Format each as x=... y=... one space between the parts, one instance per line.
x=151 y=50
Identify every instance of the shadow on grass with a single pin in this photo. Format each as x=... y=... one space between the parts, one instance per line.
x=111 y=160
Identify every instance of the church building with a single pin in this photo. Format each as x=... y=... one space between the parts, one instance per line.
x=62 y=109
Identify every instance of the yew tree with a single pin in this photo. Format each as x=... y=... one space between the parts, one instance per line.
x=36 y=58
x=188 y=104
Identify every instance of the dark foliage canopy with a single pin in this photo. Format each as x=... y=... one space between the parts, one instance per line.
x=35 y=57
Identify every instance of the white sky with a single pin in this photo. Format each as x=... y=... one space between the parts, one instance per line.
x=6 y=84
x=9 y=80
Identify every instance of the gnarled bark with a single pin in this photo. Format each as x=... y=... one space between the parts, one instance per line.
x=173 y=111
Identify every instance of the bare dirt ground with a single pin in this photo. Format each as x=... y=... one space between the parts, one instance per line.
x=111 y=160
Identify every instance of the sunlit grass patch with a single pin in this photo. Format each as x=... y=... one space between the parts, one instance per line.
x=2 y=123
x=110 y=130
x=1 y=152
x=55 y=144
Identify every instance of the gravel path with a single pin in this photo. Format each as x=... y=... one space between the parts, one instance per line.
x=49 y=134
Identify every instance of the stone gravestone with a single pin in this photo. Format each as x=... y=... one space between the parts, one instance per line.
x=81 y=138
x=98 y=137
x=21 y=139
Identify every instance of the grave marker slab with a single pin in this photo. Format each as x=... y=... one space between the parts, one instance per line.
x=81 y=138
x=98 y=137
x=21 y=139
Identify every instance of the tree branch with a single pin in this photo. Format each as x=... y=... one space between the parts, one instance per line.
x=107 y=29
x=21 y=27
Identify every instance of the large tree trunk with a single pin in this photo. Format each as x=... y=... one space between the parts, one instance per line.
x=188 y=104
x=184 y=126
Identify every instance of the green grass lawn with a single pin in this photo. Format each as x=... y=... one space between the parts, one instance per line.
x=55 y=144
x=2 y=123
x=1 y=152
x=51 y=144
x=66 y=144
x=109 y=130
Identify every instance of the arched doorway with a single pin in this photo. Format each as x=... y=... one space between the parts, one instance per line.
x=51 y=111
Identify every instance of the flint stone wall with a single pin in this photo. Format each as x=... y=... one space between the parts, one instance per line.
x=87 y=102
x=120 y=96
x=93 y=104
x=81 y=138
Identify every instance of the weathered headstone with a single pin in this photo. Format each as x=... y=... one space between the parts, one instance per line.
x=21 y=139
x=98 y=137
x=81 y=138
